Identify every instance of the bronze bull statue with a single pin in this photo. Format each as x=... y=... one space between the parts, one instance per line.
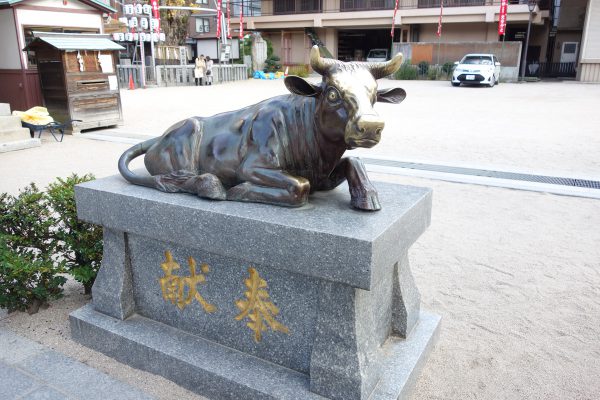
x=279 y=150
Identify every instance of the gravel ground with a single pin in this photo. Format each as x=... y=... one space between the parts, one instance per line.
x=514 y=274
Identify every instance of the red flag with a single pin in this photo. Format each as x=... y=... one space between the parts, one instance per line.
x=219 y=15
x=241 y=19
x=502 y=17
x=439 y=31
x=156 y=14
x=394 y=20
x=228 y=19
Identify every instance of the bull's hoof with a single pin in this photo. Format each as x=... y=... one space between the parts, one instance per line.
x=364 y=198
x=209 y=186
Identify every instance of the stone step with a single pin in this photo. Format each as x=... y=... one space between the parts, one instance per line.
x=13 y=134
x=9 y=122
x=19 y=145
x=4 y=109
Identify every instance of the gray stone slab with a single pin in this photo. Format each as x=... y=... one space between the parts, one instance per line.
x=19 y=145
x=220 y=373
x=113 y=290
x=202 y=366
x=406 y=359
x=310 y=240
x=14 y=383
x=77 y=379
x=14 y=348
x=45 y=393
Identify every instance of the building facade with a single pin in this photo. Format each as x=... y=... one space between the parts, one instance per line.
x=350 y=28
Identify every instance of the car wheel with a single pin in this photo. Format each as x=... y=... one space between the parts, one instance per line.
x=492 y=81
x=455 y=84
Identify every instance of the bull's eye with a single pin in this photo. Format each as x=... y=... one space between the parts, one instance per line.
x=333 y=96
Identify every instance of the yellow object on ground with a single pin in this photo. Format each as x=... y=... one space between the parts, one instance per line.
x=34 y=116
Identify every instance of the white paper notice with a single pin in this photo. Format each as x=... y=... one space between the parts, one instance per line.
x=113 y=84
x=106 y=63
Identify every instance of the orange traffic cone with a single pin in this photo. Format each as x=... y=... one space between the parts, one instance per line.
x=131 y=85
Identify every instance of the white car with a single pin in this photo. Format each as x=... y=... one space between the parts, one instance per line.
x=478 y=69
x=376 y=55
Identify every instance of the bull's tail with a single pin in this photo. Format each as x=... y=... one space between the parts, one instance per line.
x=130 y=154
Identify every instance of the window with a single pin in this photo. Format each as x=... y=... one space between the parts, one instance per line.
x=202 y=25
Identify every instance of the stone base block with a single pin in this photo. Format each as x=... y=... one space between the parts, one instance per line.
x=240 y=300
x=219 y=372
x=14 y=134
x=19 y=145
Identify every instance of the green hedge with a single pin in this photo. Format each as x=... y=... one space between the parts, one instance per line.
x=40 y=240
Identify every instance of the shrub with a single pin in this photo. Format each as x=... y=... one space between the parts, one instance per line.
x=448 y=67
x=40 y=238
x=27 y=224
x=272 y=64
x=80 y=244
x=423 y=68
x=432 y=74
x=27 y=283
x=406 y=72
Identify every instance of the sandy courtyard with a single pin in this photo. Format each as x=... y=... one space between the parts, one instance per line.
x=514 y=274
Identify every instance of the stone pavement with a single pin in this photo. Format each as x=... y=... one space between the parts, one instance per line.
x=30 y=371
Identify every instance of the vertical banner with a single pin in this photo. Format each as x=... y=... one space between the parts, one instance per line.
x=439 y=30
x=228 y=19
x=156 y=14
x=219 y=15
x=502 y=17
x=241 y=19
x=394 y=20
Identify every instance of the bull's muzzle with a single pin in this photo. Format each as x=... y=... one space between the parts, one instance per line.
x=368 y=131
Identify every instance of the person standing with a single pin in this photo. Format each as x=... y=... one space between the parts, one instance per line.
x=199 y=70
x=209 y=72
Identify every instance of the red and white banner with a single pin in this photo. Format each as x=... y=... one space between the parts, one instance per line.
x=156 y=14
x=502 y=17
x=241 y=19
x=228 y=19
x=219 y=16
x=439 y=31
x=394 y=20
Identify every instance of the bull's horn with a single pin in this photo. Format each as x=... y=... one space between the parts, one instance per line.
x=383 y=69
x=319 y=64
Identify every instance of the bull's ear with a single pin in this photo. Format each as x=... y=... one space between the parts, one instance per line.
x=299 y=86
x=393 y=95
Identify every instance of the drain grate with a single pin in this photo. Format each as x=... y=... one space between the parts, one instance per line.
x=553 y=180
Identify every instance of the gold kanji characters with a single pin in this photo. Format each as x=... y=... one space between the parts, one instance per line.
x=173 y=286
x=258 y=307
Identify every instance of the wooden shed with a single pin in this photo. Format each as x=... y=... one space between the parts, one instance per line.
x=78 y=78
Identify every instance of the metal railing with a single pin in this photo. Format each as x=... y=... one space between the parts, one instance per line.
x=178 y=75
x=183 y=75
x=282 y=7
x=551 y=69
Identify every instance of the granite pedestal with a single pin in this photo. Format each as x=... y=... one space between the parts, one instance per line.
x=239 y=300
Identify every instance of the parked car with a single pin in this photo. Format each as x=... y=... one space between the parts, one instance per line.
x=477 y=69
x=377 y=55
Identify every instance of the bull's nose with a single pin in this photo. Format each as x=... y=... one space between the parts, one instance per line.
x=370 y=126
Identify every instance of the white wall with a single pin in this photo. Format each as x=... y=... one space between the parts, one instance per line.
x=590 y=49
x=452 y=32
x=9 y=48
